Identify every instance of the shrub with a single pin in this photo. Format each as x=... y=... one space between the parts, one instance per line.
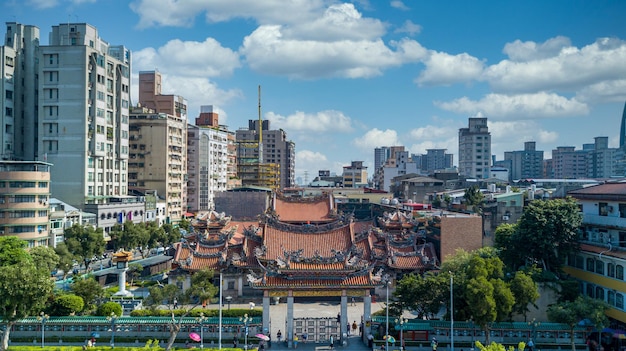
x=110 y=307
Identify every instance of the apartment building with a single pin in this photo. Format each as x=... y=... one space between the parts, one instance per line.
x=18 y=92
x=475 y=149
x=158 y=158
x=527 y=163
x=83 y=102
x=209 y=158
x=599 y=266
x=277 y=150
x=355 y=175
x=24 y=201
x=436 y=159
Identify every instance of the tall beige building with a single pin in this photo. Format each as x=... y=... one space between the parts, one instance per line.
x=24 y=201
x=84 y=98
x=157 y=158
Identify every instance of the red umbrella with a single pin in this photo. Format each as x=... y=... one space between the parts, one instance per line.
x=194 y=336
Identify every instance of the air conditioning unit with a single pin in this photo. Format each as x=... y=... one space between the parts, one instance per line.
x=506 y=218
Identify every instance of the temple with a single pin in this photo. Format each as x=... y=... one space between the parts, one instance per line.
x=304 y=247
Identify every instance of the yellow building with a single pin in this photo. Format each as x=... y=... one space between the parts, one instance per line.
x=24 y=197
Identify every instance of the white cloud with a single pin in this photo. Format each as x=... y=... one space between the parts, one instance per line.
x=183 y=13
x=376 y=138
x=321 y=122
x=189 y=58
x=267 y=51
x=607 y=91
x=339 y=22
x=511 y=136
x=409 y=27
x=569 y=70
x=42 y=4
x=397 y=4
x=527 y=106
x=430 y=132
x=445 y=69
x=310 y=157
x=529 y=50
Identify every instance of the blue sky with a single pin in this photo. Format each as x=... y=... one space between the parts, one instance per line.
x=342 y=78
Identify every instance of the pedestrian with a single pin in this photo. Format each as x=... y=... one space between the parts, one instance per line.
x=304 y=337
x=348 y=328
x=354 y=326
x=530 y=345
x=434 y=344
x=353 y=303
x=261 y=346
x=234 y=343
x=332 y=342
x=370 y=341
x=279 y=335
x=295 y=341
x=175 y=303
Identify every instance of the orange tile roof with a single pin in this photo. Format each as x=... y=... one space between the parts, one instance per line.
x=312 y=283
x=312 y=244
x=293 y=211
x=618 y=253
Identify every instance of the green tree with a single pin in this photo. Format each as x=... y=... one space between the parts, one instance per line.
x=480 y=291
x=88 y=289
x=526 y=292
x=172 y=234
x=12 y=250
x=134 y=272
x=44 y=258
x=66 y=305
x=66 y=259
x=108 y=308
x=546 y=234
x=84 y=242
x=473 y=198
x=422 y=294
x=201 y=289
x=572 y=312
x=24 y=289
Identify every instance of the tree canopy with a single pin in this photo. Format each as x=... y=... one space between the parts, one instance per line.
x=84 y=242
x=573 y=312
x=24 y=287
x=546 y=234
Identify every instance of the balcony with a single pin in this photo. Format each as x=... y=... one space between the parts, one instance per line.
x=605 y=221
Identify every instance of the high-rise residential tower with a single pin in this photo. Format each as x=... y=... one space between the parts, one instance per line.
x=475 y=149
x=527 y=163
x=18 y=92
x=84 y=100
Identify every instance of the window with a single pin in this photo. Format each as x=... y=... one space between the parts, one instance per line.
x=9 y=94
x=619 y=301
x=599 y=267
x=622 y=210
x=591 y=265
x=619 y=272
x=610 y=270
x=603 y=209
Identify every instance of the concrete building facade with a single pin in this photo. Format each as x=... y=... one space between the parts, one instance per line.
x=24 y=201
x=475 y=149
x=158 y=158
x=208 y=160
x=527 y=163
x=84 y=100
x=355 y=175
x=19 y=66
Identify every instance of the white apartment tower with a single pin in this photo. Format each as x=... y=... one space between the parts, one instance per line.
x=208 y=160
x=18 y=92
x=475 y=149
x=84 y=98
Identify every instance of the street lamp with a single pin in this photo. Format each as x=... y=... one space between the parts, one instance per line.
x=245 y=321
x=451 y=312
x=402 y=321
x=43 y=318
x=112 y=318
x=386 y=280
x=534 y=324
x=228 y=299
x=201 y=320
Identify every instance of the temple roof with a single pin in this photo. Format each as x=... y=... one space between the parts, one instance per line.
x=325 y=244
x=315 y=210
x=363 y=280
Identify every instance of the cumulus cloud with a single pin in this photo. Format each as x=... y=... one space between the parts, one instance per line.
x=376 y=138
x=183 y=13
x=267 y=51
x=397 y=4
x=339 y=22
x=430 y=132
x=409 y=27
x=321 y=122
x=445 y=69
x=608 y=91
x=526 y=106
x=529 y=50
x=310 y=157
x=568 y=70
x=511 y=136
x=189 y=58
